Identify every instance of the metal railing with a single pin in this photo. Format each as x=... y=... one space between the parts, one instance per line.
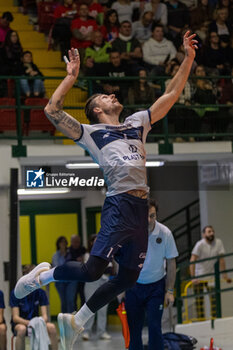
x=164 y=135
x=185 y=226
x=185 y=284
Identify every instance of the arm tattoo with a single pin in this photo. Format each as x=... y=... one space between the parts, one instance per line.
x=63 y=121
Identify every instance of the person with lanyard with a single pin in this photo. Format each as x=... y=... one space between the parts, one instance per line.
x=119 y=149
x=154 y=285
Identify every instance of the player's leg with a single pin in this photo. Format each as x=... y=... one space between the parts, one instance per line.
x=42 y=275
x=20 y=330
x=135 y=315
x=89 y=289
x=2 y=336
x=52 y=332
x=71 y=325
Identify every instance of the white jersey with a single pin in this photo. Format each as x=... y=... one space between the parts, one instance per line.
x=119 y=150
x=204 y=250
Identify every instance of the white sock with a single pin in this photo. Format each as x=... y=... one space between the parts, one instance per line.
x=46 y=277
x=83 y=315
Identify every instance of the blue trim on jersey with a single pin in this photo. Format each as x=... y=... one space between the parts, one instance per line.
x=82 y=130
x=103 y=137
x=149 y=112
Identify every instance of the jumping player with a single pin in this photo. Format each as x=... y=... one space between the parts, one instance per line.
x=119 y=150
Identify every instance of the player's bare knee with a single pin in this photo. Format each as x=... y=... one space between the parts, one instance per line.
x=51 y=329
x=3 y=329
x=21 y=330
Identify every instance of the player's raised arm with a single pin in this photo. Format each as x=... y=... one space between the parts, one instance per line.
x=160 y=108
x=68 y=125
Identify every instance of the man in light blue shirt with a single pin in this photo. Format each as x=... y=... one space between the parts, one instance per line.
x=154 y=285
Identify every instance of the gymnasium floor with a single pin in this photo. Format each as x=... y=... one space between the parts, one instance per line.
x=116 y=343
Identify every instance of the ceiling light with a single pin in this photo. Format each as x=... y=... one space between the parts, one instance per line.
x=82 y=165
x=30 y=192
x=149 y=163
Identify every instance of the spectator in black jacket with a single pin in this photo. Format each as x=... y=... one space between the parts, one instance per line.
x=33 y=87
x=177 y=20
x=212 y=55
x=221 y=25
x=116 y=68
x=129 y=47
x=12 y=51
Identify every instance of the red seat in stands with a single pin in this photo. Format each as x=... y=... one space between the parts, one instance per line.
x=37 y=119
x=8 y=115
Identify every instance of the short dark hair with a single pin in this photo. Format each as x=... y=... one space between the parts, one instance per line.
x=26 y=52
x=8 y=16
x=89 y=109
x=155 y=25
x=205 y=227
x=123 y=22
x=153 y=203
x=113 y=51
x=59 y=240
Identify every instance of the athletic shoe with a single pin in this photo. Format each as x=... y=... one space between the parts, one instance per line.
x=85 y=336
x=30 y=282
x=105 y=336
x=69 y=331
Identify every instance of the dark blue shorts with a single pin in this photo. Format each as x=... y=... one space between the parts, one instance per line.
x=124 y=231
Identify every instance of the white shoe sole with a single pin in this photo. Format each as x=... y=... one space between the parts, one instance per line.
x=44 y=266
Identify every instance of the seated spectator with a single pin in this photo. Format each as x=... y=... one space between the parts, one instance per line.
x=35 y=87
x=214 y=65
x=205 y=92
x=12 y=51
x=225 y=86
x=115 y=68
x=96 y=11
x=142 y=29
x=2 y=323
x=159 y=11
x=125 y=9
x=141 y=92
x=82 y=28
x=5 y=20
x=75 y=252
x=98 y=52
x=129 y=47
x=157 y=51
x=63 y=16
x=111 y=26
x=200 y=18
x=90 y=288
x=229 y=5
x=59 y=258
x=184 y=120
x=227 y=52
x=23 y=310
x=221 y=25
x=177 y=20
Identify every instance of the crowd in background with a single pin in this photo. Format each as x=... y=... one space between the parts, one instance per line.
x=138 y=38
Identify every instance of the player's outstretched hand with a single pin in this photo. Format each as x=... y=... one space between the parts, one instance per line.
x=73 y=63
x=190 y=44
